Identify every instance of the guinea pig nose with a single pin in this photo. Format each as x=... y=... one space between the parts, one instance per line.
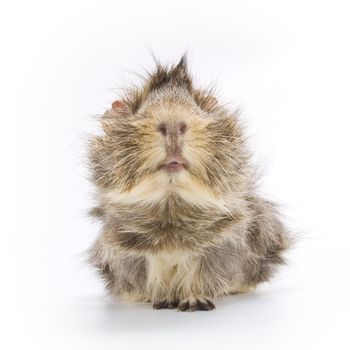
x=182 y=127
x=163 y=128
x=179 y=128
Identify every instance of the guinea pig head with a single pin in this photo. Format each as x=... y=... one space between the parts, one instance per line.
x=168 y=128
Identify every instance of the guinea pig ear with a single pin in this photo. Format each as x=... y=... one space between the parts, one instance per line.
x=119 y=105
x=210 y=102
x=205 y=100
x=120 y=111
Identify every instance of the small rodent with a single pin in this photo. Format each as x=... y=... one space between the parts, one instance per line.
x=182 y=221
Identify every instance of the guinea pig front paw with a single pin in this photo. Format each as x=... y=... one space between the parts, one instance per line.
x=196 y=304
x=165 y=304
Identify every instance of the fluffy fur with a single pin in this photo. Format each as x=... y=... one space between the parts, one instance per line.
x=179 y=239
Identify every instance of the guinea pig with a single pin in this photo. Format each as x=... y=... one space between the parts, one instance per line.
x=182 y=223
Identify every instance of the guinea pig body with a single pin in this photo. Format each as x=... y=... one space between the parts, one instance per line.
x=182 y=223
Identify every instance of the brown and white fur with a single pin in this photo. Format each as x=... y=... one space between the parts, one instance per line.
x=182 y=223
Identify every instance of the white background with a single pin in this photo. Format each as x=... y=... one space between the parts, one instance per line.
x=284 y=63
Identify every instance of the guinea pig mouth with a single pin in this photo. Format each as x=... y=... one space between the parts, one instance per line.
x=174 y=164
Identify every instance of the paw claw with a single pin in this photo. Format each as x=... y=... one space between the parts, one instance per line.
x=210 y=303
x=184 y=306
